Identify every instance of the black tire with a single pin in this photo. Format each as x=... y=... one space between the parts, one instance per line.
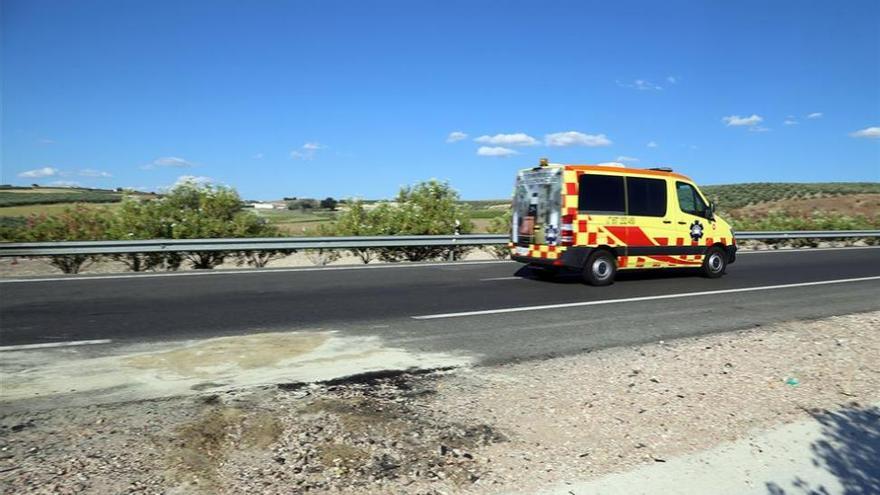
x=714 y=262
x=600 y=268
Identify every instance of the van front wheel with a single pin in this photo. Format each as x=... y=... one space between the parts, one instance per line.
x=714 y=263
x=600 y=268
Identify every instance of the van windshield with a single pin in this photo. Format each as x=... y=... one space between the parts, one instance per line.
x=537 y=206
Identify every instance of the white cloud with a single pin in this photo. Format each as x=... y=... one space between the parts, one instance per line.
x=575 y=138
x=456 y=136
x=170 y=162
x=258 y=156
x=497 y=151
x=641 y=85
x=652 y=144
x=790 y=120
x=737 y=121
x=90 y=172
x=626 y=159
x=815 y=115
x=307 y=151
x=867 y=132
x=611 y=164
x=65 y=183
x=672 y=79
x=516 y=139
x=40 y=172
x=759 y=128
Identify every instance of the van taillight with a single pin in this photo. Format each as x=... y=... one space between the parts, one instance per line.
x=566 y=233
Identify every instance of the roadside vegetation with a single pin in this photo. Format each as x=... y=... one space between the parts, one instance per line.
x=194 y=211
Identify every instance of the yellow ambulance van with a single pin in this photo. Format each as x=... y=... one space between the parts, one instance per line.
x=597 y=219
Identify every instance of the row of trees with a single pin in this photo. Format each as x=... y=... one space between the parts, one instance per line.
x=188 y=211
x=306 y=204
x=203 y=211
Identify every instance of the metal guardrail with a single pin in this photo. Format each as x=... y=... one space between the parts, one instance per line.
x=803 y=234
x=281 y=243
x=243 y=244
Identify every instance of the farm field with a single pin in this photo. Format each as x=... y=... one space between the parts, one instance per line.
x=48 y=209
x=296 y=222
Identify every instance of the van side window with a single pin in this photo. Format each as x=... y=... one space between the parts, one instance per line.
x=601 y=194
x=689 y=200
x=646 y=197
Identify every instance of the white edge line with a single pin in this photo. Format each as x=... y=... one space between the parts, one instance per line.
x=49 y=345
x=642 y=298
x=245 y=272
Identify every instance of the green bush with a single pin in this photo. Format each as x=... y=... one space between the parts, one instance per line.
x=426 y=208
x=76 y=223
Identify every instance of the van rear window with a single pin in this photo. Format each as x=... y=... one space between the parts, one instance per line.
x=601 y=194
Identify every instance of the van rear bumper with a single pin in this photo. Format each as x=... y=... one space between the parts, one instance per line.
x=572 y=257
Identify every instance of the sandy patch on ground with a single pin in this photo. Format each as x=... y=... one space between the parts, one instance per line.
x=73 y=376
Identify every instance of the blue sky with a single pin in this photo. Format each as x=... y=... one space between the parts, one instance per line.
x=330 y=98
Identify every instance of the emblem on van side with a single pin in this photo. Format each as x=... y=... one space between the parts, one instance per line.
x=696 y=230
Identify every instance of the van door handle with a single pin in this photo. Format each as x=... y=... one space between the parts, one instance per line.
x=682 y=223
x=667 y=221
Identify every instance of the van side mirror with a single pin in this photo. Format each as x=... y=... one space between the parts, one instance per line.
x=710 y=211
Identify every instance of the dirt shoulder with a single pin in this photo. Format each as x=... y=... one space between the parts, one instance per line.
x=510 y=428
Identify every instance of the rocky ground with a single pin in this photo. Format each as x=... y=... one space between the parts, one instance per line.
x=509 y=428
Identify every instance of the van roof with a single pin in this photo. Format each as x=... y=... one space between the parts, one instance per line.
x=625 y=171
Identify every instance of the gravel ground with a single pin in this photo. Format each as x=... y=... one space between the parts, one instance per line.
x=509 y=428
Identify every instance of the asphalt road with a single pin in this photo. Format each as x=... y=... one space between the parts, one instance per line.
x=383 y=301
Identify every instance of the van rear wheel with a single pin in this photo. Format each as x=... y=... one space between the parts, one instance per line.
x=600 y=268
x=714 y=262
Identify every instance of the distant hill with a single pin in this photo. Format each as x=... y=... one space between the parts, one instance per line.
x=22 y=196
x=733 y=196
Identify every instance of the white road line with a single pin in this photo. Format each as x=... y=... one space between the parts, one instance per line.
x=244 y=272
x=500 y=278
x=636 y=299
x=50 y=345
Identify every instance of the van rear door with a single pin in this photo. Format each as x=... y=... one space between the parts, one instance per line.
x=537 y=207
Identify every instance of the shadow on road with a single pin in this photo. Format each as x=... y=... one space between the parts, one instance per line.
x=849 y=449
x=573 y=277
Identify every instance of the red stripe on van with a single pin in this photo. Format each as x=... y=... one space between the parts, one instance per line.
x=631 y=236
